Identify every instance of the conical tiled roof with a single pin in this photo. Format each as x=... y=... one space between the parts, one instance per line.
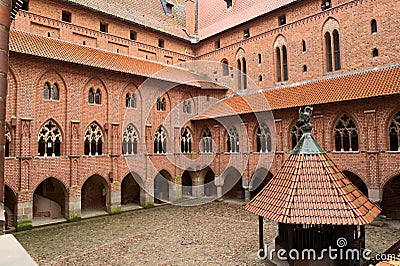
x=310 y=189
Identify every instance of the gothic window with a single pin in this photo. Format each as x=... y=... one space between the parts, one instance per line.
x=328 y=52
x=160 y=141
x=241 y=70
x=47 y=91
x=93 y=140
x=130 y=101
x=346 y=135
x=161 y=104
x=225 y=68
x=207 y=141
x=8 y=142
x=285 y=64
x=97 y=97
x=187 y=107
x=296 y=134
x=244 y=70
x=49 y=140
x=332 y=59
x=91 y=95
x=186 y=141
x=130 y=140
x=233 y=140
x=394 y=132
x=336 y=50
x=263 y=138
x=278 y=64
x=55 y=92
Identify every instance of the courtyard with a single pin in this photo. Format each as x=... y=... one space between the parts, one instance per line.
x=218 y=233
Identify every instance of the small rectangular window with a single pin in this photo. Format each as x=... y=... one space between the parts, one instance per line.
x=228 y=3
x=218 y=44
x=25 y=5
x=168 y=9
x=103 y=27
x=246 y=33
x=282 y=20
x=161 y=43
x=66 y=16
x=326 y=4
x=133 y=35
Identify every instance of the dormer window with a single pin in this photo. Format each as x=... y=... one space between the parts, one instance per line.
x=229 y=3
x=326 y=4
x=168 y=9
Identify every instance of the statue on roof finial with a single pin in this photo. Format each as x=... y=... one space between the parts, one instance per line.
x=304 y=119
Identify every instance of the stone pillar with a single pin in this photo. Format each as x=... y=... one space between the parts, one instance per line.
x=24 y=210
x=146 y=200
x=5 y=18
x=219 y=182
x=74 y=203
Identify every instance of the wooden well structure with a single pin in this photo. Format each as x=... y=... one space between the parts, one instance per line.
x=315 y=205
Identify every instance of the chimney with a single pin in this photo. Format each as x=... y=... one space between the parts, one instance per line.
x=191 y=17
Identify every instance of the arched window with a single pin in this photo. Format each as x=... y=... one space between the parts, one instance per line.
x=47 y=91
x=186 y=141
x=278 y=64
x=225 y=68
x=374 y=26
x=93 y=140
x=244 y=70
x=336 y=50
x=55 y=92
x=233 y=140
x=49 y=140
x=97 y=97
x=346 y=135
x=239 y=75
x=160 y=141
x=130 y=140
x=328 y=51
x=285 y=64
x=207 y=140
x=187 y=107
x=133 y=101
x=394 y=132
x=128 y=100
x=161 y=104
x=263 y=138
x=8 y=142
x=296 y=134
x=91 y=95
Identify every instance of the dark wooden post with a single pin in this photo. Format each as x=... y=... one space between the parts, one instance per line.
x=261 y=235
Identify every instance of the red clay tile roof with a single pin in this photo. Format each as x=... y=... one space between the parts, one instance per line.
x=149 y=13
x=26 y=43
x=371 y=83
x=310 y=189
x=214 y=17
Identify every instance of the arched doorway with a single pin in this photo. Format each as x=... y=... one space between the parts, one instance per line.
x=49 y=200
x=357 y=181
x=186 y=184
x=260 y=178
x=232 y=188
x=130 y=191
x=390 y=198
x=161 y=187
x=210 y=189
x=94 y=194
x=10 y=206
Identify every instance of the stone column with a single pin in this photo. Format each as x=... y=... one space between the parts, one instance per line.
x=219 y=182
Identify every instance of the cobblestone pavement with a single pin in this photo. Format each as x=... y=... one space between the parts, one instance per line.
x=214 y=234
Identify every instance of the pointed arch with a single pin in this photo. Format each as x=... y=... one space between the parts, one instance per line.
x=394 y=132
x=346 y=134
x=130 y=140
x=50 y=139
x=207 y=143
x=160 y=140
x=94 y=193
x=93 y=140
x=263 y=139
x=225 y=67
x=233 y=140
x=186 y=140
